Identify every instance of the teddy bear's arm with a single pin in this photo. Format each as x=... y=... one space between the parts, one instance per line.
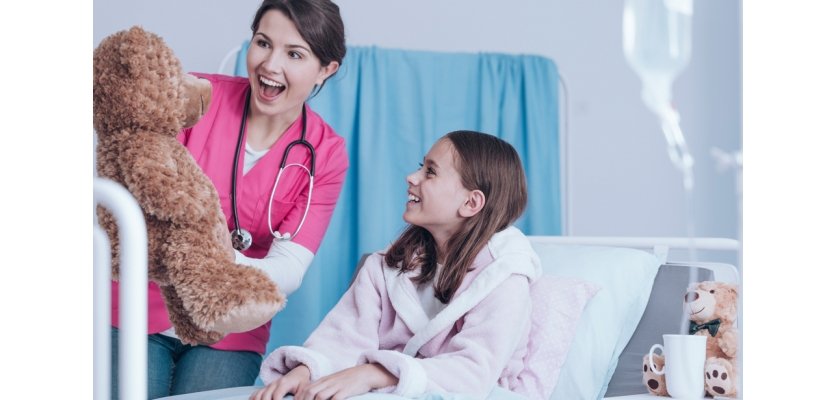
x=153 y=176
x=728 y=342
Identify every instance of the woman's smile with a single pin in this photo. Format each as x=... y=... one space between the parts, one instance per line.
x=270 y=89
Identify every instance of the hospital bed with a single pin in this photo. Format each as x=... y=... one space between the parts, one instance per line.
x=639 y=299
x=133 y=307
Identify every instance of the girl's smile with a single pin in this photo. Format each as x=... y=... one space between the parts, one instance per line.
x=435 y=193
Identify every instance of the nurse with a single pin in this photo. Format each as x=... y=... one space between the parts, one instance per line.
x=240 y=144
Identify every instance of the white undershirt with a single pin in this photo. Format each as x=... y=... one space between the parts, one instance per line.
x=285 y=263
x=251 y=157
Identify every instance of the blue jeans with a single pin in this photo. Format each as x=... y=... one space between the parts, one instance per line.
x=175 y=368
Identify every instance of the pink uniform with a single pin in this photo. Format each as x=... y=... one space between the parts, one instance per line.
x=478 y=341
x=212 y=142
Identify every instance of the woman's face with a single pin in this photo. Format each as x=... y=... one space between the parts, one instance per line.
x=282 y=67
x=435 y=193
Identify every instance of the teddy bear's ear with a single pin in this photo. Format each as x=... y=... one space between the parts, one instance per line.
x=729 y=297
x=731 y=288
x=734 y=289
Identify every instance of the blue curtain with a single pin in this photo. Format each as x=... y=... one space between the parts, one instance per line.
x=391 y=106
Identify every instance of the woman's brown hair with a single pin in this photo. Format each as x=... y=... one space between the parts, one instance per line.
x=318 y=22
x=484 y=163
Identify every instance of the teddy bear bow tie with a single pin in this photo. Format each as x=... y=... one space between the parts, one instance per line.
x=711 y=326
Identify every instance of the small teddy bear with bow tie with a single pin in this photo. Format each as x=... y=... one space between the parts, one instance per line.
x=711 y=308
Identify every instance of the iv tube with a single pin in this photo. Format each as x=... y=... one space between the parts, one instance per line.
x=656 y=43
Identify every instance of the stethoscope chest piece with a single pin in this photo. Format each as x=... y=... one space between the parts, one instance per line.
x=241 y=239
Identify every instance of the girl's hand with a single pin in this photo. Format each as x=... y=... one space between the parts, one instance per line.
x=348 y=382
x=291 y=383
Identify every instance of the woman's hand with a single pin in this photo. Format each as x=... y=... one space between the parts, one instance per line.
x=291 y=383
x=348 y=382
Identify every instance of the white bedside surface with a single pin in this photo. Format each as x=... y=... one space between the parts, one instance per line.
x=243 y=393
x=647 y=396
x=236 y=393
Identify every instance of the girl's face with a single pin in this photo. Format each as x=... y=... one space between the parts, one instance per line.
x=282 y=67
x=436 y=193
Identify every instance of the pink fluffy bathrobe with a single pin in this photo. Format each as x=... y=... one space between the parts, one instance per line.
x=478 y=341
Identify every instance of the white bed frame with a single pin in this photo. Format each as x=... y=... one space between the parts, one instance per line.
x=133 y=295
x=661 y=247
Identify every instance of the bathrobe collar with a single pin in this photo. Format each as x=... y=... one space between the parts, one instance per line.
x=511 y=253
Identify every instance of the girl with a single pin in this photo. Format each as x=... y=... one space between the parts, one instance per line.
x=447 y=307
x=296 y=46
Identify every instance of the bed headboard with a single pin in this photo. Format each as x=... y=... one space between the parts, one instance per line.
x=662 y=315
x=640 y=299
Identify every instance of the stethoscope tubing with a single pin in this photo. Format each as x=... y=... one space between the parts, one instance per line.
x=288 y=236
x=235 y=162
x=311 y=173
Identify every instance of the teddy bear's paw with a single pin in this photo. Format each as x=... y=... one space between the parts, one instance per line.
x=196 y=337
x=227 y=297
x=184 y=327
x=250 y=299
x=719 y=378
x=654 y=383
x=247 y=317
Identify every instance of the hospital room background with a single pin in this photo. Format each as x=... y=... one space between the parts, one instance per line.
x=596 y=155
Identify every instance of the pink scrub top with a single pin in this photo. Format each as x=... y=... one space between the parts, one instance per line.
x=212 y=142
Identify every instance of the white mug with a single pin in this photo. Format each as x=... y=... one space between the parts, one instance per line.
x=684 y=365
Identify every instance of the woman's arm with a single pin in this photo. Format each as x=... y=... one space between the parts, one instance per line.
x=285 y=263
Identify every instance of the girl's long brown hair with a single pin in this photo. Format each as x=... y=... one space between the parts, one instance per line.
x=486 y=163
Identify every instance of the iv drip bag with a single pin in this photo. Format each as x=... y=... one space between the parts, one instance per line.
x=656 y=43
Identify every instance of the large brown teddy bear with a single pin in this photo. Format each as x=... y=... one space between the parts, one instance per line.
x=141 y=101
x=712 y=310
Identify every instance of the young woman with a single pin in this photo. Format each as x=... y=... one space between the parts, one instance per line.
x=446 y=308
x=254 y=126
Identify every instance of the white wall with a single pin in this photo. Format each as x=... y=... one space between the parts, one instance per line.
x=620 y=180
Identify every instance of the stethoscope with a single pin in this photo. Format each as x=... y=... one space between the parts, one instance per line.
x=241 y=238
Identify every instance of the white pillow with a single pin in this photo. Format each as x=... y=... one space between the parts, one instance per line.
x=626 y=277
